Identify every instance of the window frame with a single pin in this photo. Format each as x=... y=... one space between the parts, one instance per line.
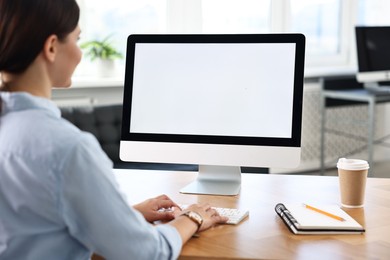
x=186 y=17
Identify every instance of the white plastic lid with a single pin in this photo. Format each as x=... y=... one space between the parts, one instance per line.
x=352 y=164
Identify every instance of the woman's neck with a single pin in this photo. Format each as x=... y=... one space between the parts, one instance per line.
x=33 y=80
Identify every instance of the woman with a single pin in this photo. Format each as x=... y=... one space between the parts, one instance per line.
x=58 y=199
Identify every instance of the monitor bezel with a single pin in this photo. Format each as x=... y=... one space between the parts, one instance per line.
x=293 y=141
x=361 y=48
x=366 y=73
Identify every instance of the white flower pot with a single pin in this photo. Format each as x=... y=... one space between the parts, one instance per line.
x=105 y=68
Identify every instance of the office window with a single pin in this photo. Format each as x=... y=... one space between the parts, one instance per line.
x=373 y=13
x=118 y=19
x=233 y=16
x=320 y=21
x=327 y=24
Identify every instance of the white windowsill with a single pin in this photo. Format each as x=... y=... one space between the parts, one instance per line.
x=317 y=72
x=97 y=82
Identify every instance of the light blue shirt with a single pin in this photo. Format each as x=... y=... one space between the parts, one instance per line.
x=58 y=196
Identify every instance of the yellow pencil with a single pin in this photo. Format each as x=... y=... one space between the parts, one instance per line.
x=324 y=212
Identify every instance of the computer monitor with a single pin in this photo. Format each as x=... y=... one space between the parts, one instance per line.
x=373 y=53
x=218 y=101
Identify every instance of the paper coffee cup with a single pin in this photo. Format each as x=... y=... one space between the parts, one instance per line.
x=352 y=180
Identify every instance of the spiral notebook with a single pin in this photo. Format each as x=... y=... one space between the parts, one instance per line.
x=302 y=220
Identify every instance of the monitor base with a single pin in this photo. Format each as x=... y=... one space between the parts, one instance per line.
x=377 y=89
x=216 y=180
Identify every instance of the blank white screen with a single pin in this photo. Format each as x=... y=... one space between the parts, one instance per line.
x=213 y=89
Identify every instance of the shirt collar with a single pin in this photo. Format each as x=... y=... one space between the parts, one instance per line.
x=18 y=101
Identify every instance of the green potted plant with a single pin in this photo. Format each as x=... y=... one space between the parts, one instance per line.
x=103 y=53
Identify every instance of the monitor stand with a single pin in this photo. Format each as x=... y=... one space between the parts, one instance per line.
x=216 y=180
x=377 y=88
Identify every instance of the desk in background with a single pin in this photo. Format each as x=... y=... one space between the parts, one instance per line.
x=263 y=235
x=345 y=90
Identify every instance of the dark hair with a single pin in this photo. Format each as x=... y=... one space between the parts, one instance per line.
x=26 y=24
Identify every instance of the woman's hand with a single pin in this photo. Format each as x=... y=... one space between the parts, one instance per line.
x=210 y=216
x=154 y=209
x=187 y=227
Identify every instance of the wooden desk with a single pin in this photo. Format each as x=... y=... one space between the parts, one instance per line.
x=263 y=235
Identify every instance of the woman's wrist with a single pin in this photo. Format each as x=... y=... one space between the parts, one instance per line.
x=195 y=217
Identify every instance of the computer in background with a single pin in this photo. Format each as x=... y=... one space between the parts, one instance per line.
x=373 y=53
x=219 y=101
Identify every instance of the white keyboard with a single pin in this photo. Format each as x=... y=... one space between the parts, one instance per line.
x=234 y=216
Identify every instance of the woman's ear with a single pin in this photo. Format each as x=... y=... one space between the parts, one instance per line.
x=50 y=48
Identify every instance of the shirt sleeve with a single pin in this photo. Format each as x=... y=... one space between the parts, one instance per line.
x=98 y=216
